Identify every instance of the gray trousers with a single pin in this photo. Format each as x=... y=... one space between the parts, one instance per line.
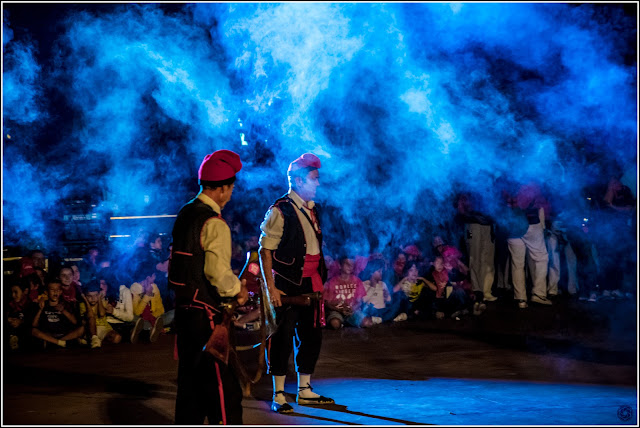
x=481 y=256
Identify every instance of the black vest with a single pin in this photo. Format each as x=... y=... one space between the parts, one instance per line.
x=186 y=264
x=288 y=258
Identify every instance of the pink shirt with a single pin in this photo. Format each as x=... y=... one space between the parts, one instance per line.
x=350 y=291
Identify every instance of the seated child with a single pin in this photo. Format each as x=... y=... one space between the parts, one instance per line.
x=118 y=304
x=343 y=298
x=377 y=302
x=148 y=308
x=408 y=291
x=104 y=331
x=35 y=284
x=72 y=293
x=18 y=328
x=55 y=322
x=448 y=300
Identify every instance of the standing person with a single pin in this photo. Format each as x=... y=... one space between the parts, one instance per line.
x=200 y=273
x=530 y=246
x=479 y=236
x=292 y=265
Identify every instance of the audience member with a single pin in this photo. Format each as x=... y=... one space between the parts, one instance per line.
x=408 y=291
x=17 y=318
x=35 y=286
x=530 y=246
x=55 y=321
x=343 y=298
x=448 y=299
x=104 y=331
x=479 y=238
x=88 y=266
x=118 y=304
x=147 y=302
x=377 y=299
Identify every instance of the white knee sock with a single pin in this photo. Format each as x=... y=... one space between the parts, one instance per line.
x=304 y=380
x=278 y=385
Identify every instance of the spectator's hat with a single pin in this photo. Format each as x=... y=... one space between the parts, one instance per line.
x=307 y=160
x=219 y=166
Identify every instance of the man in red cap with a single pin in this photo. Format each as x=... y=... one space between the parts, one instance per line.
x=201 y=276
x=293 y=265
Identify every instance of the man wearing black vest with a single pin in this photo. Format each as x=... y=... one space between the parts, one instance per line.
x=200 y=273
x=293 y=265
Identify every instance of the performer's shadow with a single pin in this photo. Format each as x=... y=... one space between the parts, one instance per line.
x=342 y=409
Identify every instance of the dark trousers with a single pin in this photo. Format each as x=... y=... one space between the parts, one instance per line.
x=204 y=382
x=297 y=331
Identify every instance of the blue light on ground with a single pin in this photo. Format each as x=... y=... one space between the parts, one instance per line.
x=465 y=402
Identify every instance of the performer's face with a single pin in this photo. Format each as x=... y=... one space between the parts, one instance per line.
x=226 y=194
x=307 y=186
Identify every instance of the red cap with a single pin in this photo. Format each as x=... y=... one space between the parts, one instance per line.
x=219 y=165
x=305 y=161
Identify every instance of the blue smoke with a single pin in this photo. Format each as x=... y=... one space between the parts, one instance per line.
x=404 y=103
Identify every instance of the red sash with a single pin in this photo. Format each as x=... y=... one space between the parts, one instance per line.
x=310 y=270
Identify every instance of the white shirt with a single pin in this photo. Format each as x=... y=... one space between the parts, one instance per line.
x=377 y=295
x=273 y=226
x=216 y=242
x=124 y=308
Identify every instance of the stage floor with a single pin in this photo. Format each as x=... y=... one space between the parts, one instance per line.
x=574 y=363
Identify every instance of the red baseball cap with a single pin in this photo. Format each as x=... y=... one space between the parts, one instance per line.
x=219 y=166
x=305 y=161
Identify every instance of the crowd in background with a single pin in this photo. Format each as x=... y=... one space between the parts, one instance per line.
x=528 y=255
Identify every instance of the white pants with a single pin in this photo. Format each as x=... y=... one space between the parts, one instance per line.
x=533 y=241
x=481 y=255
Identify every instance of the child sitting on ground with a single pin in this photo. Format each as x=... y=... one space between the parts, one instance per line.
x=448 y=300
x=54 y=321
x=409 y=289
x=103 y=330
x=118 y=304
x=147 y=303
x=18 y=329
x=377 y=300
x=343 y=298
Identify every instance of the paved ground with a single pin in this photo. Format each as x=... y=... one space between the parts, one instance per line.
x=574 y=363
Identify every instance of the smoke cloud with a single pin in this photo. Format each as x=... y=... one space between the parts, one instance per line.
x=404 y=103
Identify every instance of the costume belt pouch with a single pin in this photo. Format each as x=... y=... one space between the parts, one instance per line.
x=218 y=343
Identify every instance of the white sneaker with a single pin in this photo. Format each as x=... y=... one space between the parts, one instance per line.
x=157 y=328
x=95 y=342
x=137 y=328
x=376 y=320
x=401 y=317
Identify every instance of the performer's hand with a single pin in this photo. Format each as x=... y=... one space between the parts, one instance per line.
x=243 y=295
x=275 y=296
